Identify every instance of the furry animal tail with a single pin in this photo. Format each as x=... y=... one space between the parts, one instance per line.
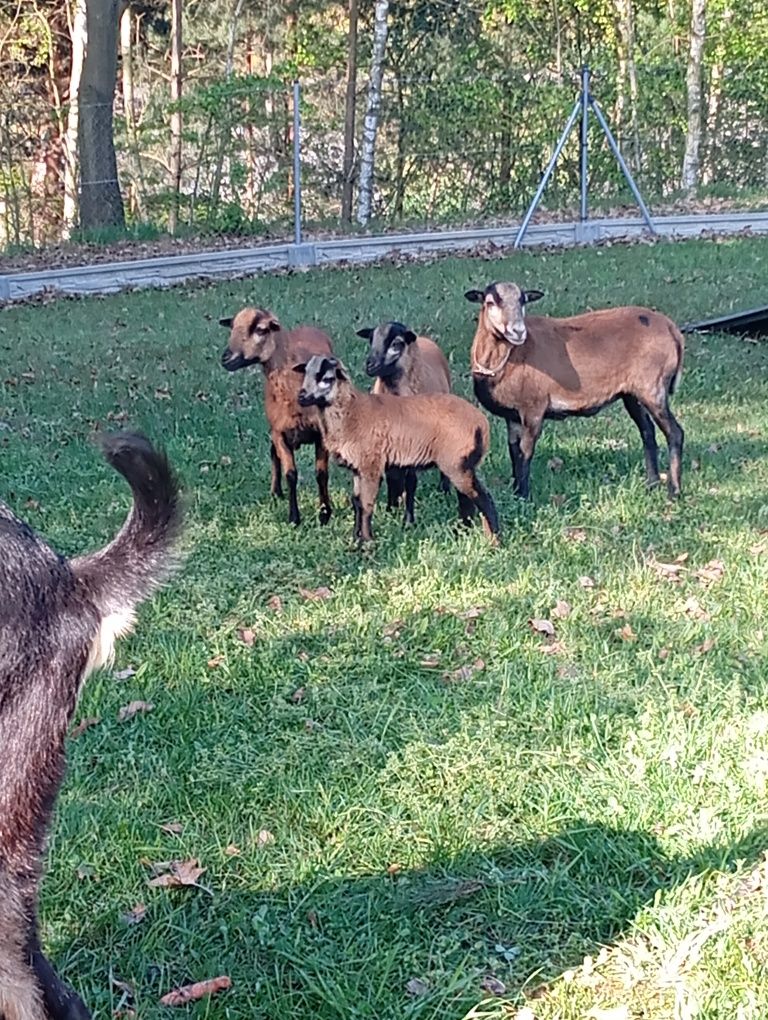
x=140 y=557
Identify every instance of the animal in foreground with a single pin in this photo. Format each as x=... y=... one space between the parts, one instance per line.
x=59 y=619
x=405 y=364
x=367 y=432
x=257 y=338
x=526 y=369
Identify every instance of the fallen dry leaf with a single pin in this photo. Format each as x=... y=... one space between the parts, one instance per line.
x=472 y=613
x=552 y=648
x=134 y=916
x=542 y=627
x=124 y=674
x=671 y=572
x=215 y=662
x=557 y=499
x=562 y=609
x=612 y=1013
x=316 y=594
x=663 y=653
x=133 y=708
x=575 y=534
x=173 y=828
x=417 y=987
x=87 y=871
x=464 y=673
x=275 y=603
x=710 y=572
x=431 y=661
x=247 y=636
x=526 y=1013
x=264 y=838
x=586 y=582
x=692 y=607
x=555 y=463
x=493 y=986
x=232 y=850
x=706 y=646
x=83 y=725
x=313 y=920
x=392 y=630
x=298 y=695
x=31 y=504
x=198 y=990
x=178 y=873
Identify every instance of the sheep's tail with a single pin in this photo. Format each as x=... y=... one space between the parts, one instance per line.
x=679 y=339
x=141 y=555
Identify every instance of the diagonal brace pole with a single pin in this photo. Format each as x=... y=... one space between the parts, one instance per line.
x=622 y=165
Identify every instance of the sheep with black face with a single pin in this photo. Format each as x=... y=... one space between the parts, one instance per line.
x=405 y=364
x=527 y=369
x=369 y=432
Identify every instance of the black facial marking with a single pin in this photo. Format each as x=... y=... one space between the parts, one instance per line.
x=644 y=319
x=494 y=293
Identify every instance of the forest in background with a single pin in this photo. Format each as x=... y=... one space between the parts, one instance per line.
x=177 y=115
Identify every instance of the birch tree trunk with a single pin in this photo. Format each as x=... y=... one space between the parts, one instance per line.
x=371 y=122
x=690 y=174
x=126 y=64
x=626 y=103
x=101 y=204
x=78 y=35
x=349 y=113
x=176 y=87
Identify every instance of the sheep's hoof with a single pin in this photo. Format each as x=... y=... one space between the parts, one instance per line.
x=325 y=514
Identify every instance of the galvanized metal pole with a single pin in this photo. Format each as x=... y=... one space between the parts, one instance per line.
x=584 y=142
x=296 y=163
x=547 y=173
x=622 y=165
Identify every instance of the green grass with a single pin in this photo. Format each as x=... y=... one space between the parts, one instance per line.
x=506 y=825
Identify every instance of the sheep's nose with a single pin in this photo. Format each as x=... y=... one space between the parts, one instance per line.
x=371 y=366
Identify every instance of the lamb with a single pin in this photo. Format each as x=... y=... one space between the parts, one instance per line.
x=405 y=364
x=529 y=369
x=58 y=621
x=367 y=432
x=257 y=337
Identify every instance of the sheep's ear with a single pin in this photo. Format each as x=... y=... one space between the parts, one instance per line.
x=532 y=295
x=226 y=322
x=476 y=296
x=300 y=368
x=273 y=323
x=409 y=336
x=341 y=372
x=366 y=334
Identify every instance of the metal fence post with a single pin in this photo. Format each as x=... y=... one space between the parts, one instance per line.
x=296 y=164
x=584 y=141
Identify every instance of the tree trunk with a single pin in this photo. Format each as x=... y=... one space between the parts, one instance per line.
x=626 y=102
x=714 y=104
x=78 y=33
x=176 y=85
x=690 y=174
x=101 y=204
x=126 y=64
x=349 y=114
x=371 y=122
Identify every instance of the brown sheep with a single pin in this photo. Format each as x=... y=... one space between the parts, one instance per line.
x=368 y=432
x=405 y=364
x=257 y=337
x=529 y=369
x=58 y=621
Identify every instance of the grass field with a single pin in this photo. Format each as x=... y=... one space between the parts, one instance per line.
x=407 y=801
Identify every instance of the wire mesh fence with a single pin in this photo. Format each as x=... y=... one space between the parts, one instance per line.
x=449 y=152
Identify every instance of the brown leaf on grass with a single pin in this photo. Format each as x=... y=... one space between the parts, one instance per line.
x=472 y=613
x=693 y=608
x=264 y=838
x=575 y=534
x=542 y=627
x=710 y=572
x=586 y=582
x=133 y=708
x=134 y=916
x=162 y=393
x=198 y=990
x=552 y=648
x=557 y=499
x=464 y=673
x=394 y=869
x=562 y=609
x=298 y=695
x=31 y=504
x=87 y=871
x=83 y=725
x=417 y=987
x=313 y=920
x=493 y=985
x=247 y=636
x=671 y=572
x=275 y=603
x=626 y=633
x=124 y=674
x=173 y=828
x=706 y=646
x=392 y=630
x=316 y=594
x=215 y=662
x=555 y=464
x=232 y=850
x=431 y=661
x=663 y=653
x=178 y=873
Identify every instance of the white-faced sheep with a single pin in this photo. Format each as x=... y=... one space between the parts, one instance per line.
x=528 y=369
x=257 y=338
x=405 y=364
x=368 y=432
x=58 y=620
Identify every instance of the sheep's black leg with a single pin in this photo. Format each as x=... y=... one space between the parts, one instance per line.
x=395 y=487
x=522 y=439
x=467 y=509
x=484 y=503
x=410 y=495
x=276 y=483
x=321 y=474
x=644 y=423
x=674 y=435
x=61 y=1002
x=445 y=483
x=357 y=507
